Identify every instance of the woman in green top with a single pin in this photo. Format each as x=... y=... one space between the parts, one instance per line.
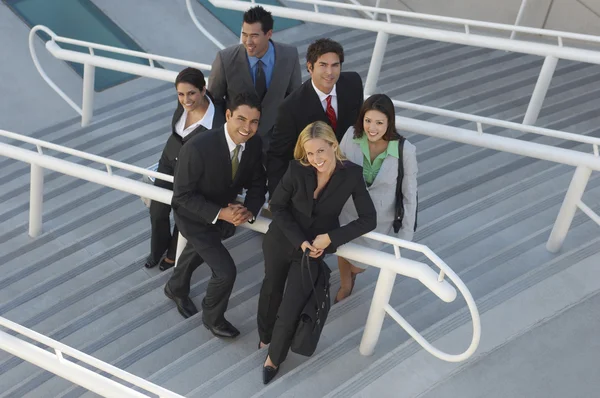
x=373 y=143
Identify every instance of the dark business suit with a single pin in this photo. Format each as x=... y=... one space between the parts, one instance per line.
x=297 y=217
x=300 y=109
x=161 y=239
x=203 y=185
x=230 y=75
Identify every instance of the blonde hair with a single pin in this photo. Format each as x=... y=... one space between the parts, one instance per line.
x=316 y=130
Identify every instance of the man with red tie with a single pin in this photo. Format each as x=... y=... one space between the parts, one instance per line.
x=330 y=95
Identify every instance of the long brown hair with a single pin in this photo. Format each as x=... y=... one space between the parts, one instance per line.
x=316 y=130
x=383 y=104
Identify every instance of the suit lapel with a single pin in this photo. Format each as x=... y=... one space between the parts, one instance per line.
x=246 y=155
x=223 y=153
x=314 y=103
x=244 y=67
x=278 y=74
x=310 y=184
x=342 y=102
x=336 y=180
x=176 y=116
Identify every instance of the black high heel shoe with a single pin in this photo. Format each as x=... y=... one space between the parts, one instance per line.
x=269 y=373
x=335 y=301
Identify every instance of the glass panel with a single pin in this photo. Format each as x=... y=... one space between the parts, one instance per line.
x=82 y=20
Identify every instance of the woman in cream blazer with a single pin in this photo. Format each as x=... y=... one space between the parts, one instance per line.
x=373 y=143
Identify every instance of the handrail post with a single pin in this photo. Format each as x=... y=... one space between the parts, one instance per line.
x=540 y=90
x=519 y=17
x=381 y=297
x=36 y=200
x=376 y=62
x=87 y=103
x=568 y=208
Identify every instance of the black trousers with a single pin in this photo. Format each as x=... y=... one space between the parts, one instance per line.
x=278 y=253
x=283 y=295
x=219 y=287
x=161 y=239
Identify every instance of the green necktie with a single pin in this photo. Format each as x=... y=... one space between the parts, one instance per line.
x=235 y=162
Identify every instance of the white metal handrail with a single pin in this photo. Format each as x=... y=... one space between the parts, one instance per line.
x=108 y=163
x=482 y=120
x=94 y=381
x=551 y=52
x=390 y=265
x=205 y=32
x=91 y=60
x=465 y=24
x=558 y=50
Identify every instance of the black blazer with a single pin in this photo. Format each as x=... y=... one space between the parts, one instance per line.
x=203 y=182
x=298 y=217
x=168 y=159
x=300 y=109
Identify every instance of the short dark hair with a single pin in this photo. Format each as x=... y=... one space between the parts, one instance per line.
x=191 y=76
x=247 y=98
x=323 y=46
x=383 y=104
x=260 y=15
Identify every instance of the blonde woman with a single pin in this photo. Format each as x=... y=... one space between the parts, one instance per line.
x=374 y=143
x=306 y=205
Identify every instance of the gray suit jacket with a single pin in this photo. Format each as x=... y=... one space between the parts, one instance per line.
x=230 y=75
x=383 y=191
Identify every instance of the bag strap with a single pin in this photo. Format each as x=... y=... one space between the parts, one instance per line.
x=399 y=210
x=312 y=283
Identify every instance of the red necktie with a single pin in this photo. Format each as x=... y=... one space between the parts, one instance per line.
x=331 y=114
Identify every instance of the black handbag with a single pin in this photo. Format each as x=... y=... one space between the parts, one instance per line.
x=399 y=208
x=313 y=316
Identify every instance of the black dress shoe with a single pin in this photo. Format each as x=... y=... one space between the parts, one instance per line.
x=225 y=329
x=185 y=305
x=269 y=373
x=150 y=263
x=164 y=265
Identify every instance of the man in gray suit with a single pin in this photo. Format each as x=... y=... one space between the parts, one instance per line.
x=270 y=69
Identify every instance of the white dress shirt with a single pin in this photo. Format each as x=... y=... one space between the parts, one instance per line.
x=231 y=145
x=323 y=98
x=206 y=120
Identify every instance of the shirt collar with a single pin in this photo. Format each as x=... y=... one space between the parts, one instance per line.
x=391 y=150
x=206 y=120
x=267 y=59
x=322 y=95
x=230 y=144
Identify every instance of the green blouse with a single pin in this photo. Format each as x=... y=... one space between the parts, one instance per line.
x=370 y=170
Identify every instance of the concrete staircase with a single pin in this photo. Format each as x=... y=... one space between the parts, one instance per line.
x=486 y=213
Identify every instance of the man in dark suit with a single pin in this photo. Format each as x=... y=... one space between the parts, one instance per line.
x=260 y=65
x=212 y=168
x=329 y=95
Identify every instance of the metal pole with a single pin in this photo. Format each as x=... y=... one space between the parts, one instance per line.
x=540 y=90
x=36 y=200
x=376 y=61
x=381 y=297
x=519 y=17
x=87 y=106
x=568 y=208
x=181 y=242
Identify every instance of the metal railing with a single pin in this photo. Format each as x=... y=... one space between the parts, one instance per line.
x=90 y=61
x=205 y=32
x=390 y=265
x=58 y=364
x=551 y=52
x=585 y=163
